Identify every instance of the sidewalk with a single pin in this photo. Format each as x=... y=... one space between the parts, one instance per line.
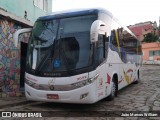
x=12 y=101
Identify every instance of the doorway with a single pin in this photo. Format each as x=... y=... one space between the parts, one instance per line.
x=23 y=64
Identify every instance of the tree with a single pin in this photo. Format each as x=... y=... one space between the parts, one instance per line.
x=150 y=37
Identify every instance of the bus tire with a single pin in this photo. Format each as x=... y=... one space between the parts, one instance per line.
x=113 y=91
x=136 y=82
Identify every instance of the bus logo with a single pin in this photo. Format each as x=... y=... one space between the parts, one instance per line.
x=51 y=87
x=51 y=83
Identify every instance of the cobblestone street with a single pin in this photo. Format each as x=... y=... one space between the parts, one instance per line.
x=144 y=96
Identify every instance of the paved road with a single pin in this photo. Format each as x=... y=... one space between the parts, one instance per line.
x=144 y=96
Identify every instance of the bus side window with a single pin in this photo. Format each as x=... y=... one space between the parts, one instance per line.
x=107 y=39
x=100 y=49
x=114 y=41
x=106 y=44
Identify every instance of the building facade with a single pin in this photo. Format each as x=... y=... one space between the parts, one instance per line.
x=151 y=51
x=27 y=9
x=141 y=29
x=14 y=15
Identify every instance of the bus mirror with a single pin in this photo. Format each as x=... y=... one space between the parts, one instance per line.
x=17 y=34
x=97 y=27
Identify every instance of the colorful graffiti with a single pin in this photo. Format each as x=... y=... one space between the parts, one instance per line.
x=9 y=60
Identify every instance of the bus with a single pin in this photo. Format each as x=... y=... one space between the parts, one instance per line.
x=79 y=56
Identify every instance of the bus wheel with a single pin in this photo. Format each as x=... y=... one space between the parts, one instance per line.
x=113 y=91
x=136 y=82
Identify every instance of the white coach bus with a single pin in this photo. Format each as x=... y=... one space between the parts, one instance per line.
x=79 y=56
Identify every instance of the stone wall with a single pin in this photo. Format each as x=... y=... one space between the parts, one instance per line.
x=9 y=59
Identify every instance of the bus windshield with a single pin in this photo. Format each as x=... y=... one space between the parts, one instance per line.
x=60 y=44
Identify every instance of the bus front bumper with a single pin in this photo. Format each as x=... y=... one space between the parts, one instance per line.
x=86 y=94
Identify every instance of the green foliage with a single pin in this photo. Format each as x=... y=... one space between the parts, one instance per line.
x=150 y=37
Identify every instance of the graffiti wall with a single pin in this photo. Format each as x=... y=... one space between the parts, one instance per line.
x=9 y=60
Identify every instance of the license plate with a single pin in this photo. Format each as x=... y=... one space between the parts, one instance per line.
x=52 y=96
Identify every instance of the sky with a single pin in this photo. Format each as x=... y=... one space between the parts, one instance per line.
x=129 y=12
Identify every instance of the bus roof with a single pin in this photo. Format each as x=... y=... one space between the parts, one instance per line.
x=74 y=12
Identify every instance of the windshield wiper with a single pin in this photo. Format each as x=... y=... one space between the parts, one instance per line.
x=40 y=39
x=45 y=58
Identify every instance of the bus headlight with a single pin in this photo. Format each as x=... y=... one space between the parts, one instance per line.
x=30 y=83
x=61 y=87
x=84 y=82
